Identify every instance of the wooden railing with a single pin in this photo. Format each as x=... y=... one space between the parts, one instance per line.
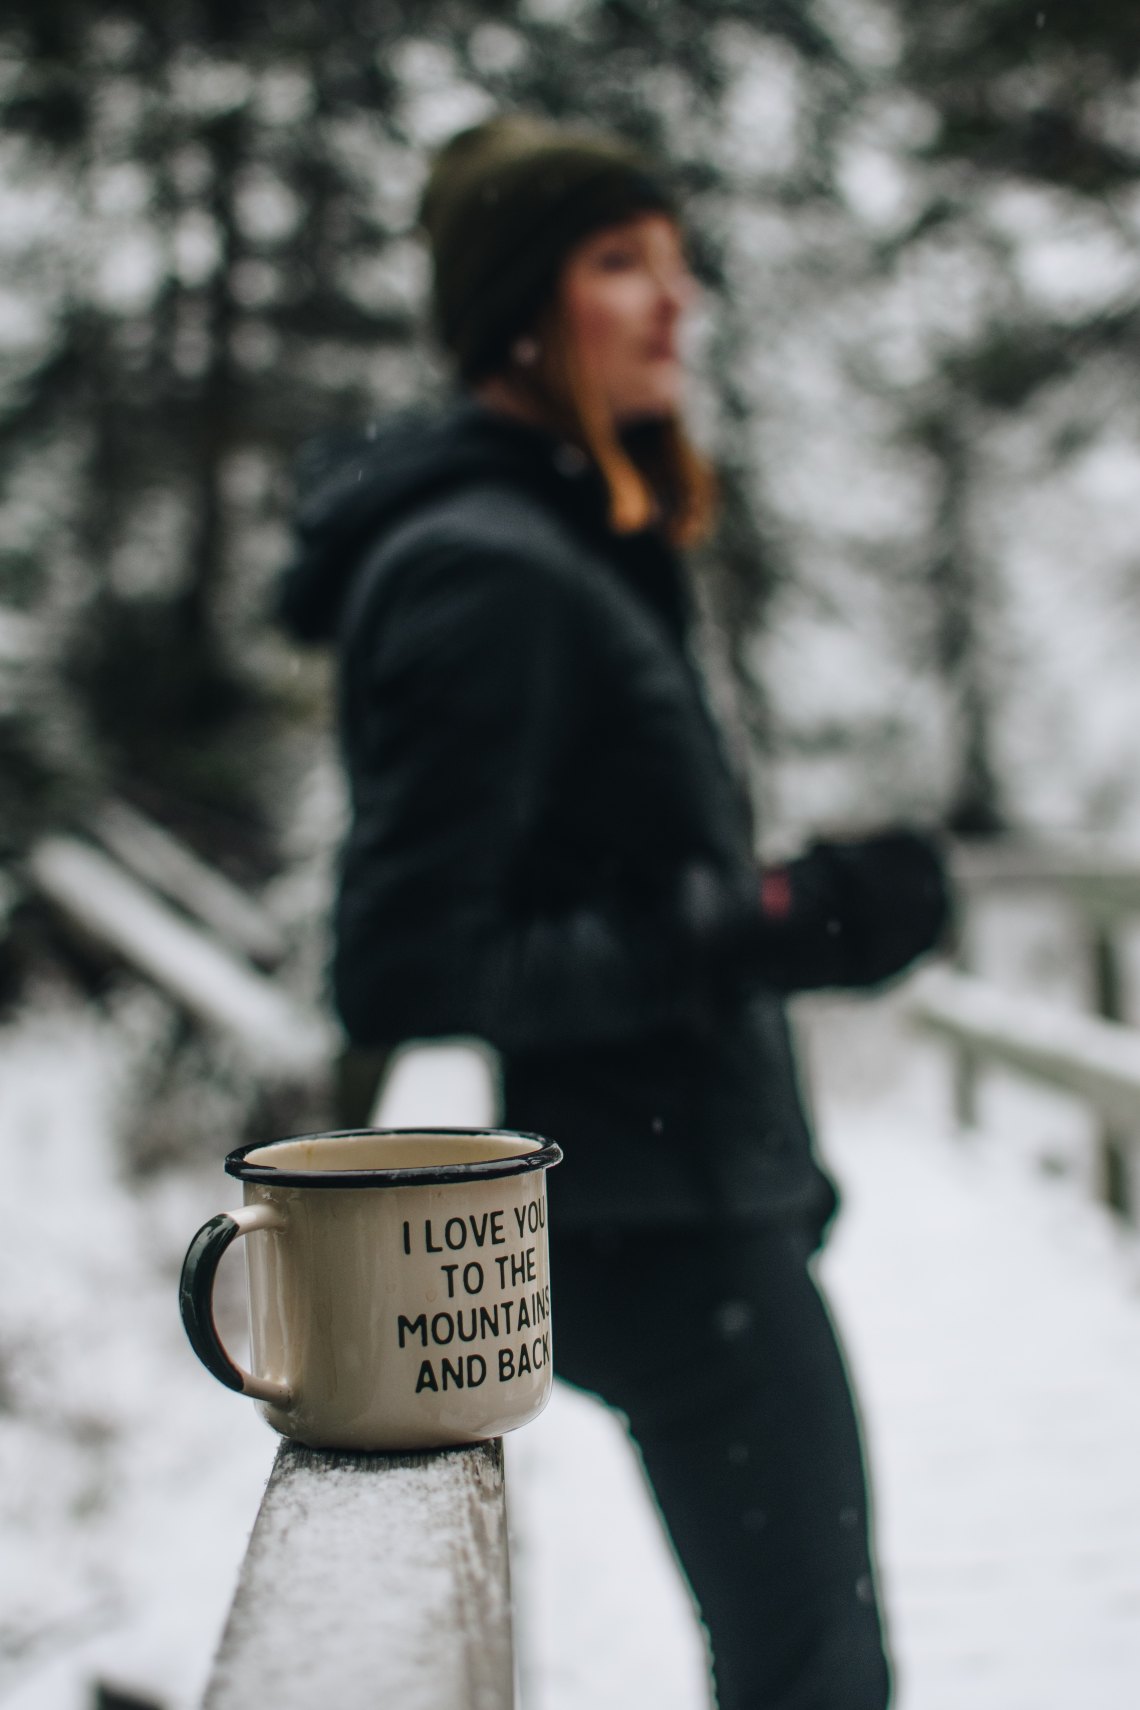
x=145 y=899
x=1094 y=1056
x=373 y=1581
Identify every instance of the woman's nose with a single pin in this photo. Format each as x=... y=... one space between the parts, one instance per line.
x=676 y=287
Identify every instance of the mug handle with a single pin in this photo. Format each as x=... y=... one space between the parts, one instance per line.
x=196 y=1299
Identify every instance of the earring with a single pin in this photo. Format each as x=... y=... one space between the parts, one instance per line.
x=525 y=352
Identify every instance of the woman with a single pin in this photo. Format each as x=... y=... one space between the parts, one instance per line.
x=549 y=852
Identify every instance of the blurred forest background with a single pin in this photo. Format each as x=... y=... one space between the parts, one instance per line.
x=917 y=365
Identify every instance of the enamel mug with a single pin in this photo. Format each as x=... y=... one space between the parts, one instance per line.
x=399 y=1291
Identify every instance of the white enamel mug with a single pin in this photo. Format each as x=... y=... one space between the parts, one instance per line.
x=399 y=1288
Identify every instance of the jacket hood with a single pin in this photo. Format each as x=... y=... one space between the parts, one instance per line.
x=354 y=487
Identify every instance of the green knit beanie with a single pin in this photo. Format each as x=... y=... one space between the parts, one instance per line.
x=506 y=201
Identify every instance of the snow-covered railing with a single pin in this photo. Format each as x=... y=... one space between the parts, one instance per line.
x=159 y=859
x=373 y=1580
x=1101 y=886
x=1097 y=1060
x=111 y=906
x=1104 y=881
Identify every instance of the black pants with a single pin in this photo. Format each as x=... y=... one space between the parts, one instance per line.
x=717 y=1347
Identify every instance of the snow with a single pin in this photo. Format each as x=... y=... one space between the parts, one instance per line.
x=447 y=1083
x=1005 y=1413
x=991 y=1311
x=992 y=1317
x=409 y=1556
x=129 y=1479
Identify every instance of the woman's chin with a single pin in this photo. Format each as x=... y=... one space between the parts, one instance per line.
x=653 y=407
x=651 y=393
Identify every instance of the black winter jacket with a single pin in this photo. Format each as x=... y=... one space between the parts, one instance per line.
x=548 y=849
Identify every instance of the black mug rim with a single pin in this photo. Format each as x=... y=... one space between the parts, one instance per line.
x=548 y=1154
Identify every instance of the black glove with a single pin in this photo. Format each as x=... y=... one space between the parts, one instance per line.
x=890 y=901
x=843 y=914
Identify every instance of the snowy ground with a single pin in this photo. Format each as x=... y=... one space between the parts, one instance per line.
x=128 y=1479
x=992 y=1316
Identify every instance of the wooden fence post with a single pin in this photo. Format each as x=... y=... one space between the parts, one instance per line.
x=966 y=1061
x=1108 y=997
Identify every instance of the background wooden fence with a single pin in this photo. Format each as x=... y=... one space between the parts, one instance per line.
x=1094 y=1056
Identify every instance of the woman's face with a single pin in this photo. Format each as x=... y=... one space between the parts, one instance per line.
x=623 y=291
